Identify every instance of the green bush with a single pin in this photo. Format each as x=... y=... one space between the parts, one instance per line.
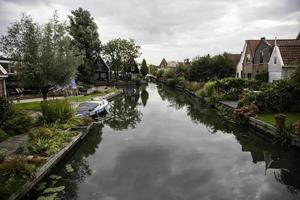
x=169 y=73
x=3 y=135
x=4 y=107
x=191 y=85
x=280 y=96
x=263 y=77
x=56 y=111
x=16 y=122
x=171 y=82
x=48 y=141
x=160 y=73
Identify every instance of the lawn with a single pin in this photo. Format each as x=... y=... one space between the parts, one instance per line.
x=269 y=118
x=35 y=106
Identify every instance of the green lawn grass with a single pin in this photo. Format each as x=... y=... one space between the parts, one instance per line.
x=269 y=118
x=35 y=106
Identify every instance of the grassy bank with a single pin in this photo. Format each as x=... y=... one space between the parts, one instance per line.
x=35 y=106
x=269 y=118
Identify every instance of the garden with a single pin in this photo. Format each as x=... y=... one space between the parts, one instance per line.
x=47 y=134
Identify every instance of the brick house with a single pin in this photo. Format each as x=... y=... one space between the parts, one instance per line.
x=163 y=64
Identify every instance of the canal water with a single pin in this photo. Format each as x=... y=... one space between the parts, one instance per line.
x=162 y=144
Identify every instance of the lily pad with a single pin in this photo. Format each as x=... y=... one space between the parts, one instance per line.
x=50 y=197
x=69 y=168
x=54 y=189
x=55 y=177
x=41 y=186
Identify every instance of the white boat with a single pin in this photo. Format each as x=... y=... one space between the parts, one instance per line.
x=92 y=108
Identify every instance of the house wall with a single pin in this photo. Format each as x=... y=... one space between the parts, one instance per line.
x=2 y=87
x=247 y=64
x=275 y=65
x=239 y=66
x=261 y=58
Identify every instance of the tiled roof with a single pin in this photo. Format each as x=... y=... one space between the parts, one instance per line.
x=286 y=42
x=163 y=63
x=290 y=54
x=252 y=44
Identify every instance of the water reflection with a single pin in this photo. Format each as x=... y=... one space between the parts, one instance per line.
x=173 y=155
x=123 y=112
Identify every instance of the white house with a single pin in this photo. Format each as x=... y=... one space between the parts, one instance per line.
x=3 y=76
x=172 y=64
x=239 y=66
x=283 y=61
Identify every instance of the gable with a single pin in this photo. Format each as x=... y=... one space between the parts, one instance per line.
x=101 y=65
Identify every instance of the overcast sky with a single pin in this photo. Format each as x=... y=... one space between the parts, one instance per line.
x=174 y=29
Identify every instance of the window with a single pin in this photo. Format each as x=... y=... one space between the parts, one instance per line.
x=261 y=56
x=275 y=60
x=249 y=75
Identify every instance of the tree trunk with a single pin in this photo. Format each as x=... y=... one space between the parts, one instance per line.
x=44 y=92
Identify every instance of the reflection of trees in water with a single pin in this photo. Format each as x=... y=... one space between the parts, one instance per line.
x=144 y=96
x=123 y=113
x=286 y=160
x=196 y=110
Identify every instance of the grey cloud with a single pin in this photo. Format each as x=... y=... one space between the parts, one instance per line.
x=164 y=26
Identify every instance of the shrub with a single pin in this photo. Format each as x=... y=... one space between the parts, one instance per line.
x=56 y=111
x=160 y=73
x=263 y=77
x=4 y=107
x=278 y=97
x=3 y=135
x=16 y=122
x=191 y=85
x=169 y=73
x=48 y=141
x=171 y=82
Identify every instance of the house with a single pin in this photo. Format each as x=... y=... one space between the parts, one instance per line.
x=172 y=64
x=12 y=82
x=244 y=68
x=234 y=58
x=133 y=71
x=256 y=55
x=163 y=64
x=102 y=71
x=3 y=76
x=283 y=61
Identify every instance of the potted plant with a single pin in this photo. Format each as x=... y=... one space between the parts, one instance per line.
x=280 y=120
x=296 y=126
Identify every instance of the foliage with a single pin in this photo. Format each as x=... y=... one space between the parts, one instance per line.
x=44 y=52
x=3 y=135
x=48 y=141
x=192 y=85
x=207 y=68
x=4 y=107
x=3 y=153
x=160 y=73
x=13 y=175
x=171 y=82
x=169 y=73
x=56 y=111
x=83 y=30
x=144 y=68
x=227 y=89
x=16 y=122
x=263 y=77
x=120 y=54
x=280 y=96
x=295 y=78
x=69 y=168
x=152 y=69
x=242 y=114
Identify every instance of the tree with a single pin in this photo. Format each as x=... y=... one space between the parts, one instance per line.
x=120 y=53
x=83 y=29
x=144 y=68
x=44 y=53
x=153 y=69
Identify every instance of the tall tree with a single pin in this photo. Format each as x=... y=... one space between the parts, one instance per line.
x=144 y=68
x=120 y=53
x=83 y=29
x=44 y=52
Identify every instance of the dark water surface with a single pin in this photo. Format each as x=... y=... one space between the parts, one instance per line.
x=161 y=144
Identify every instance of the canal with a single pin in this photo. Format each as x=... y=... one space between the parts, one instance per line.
x=162 y=144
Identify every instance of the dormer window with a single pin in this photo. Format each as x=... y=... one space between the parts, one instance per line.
x=275 y=60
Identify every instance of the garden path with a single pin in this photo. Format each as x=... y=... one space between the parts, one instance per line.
x=12 y=144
